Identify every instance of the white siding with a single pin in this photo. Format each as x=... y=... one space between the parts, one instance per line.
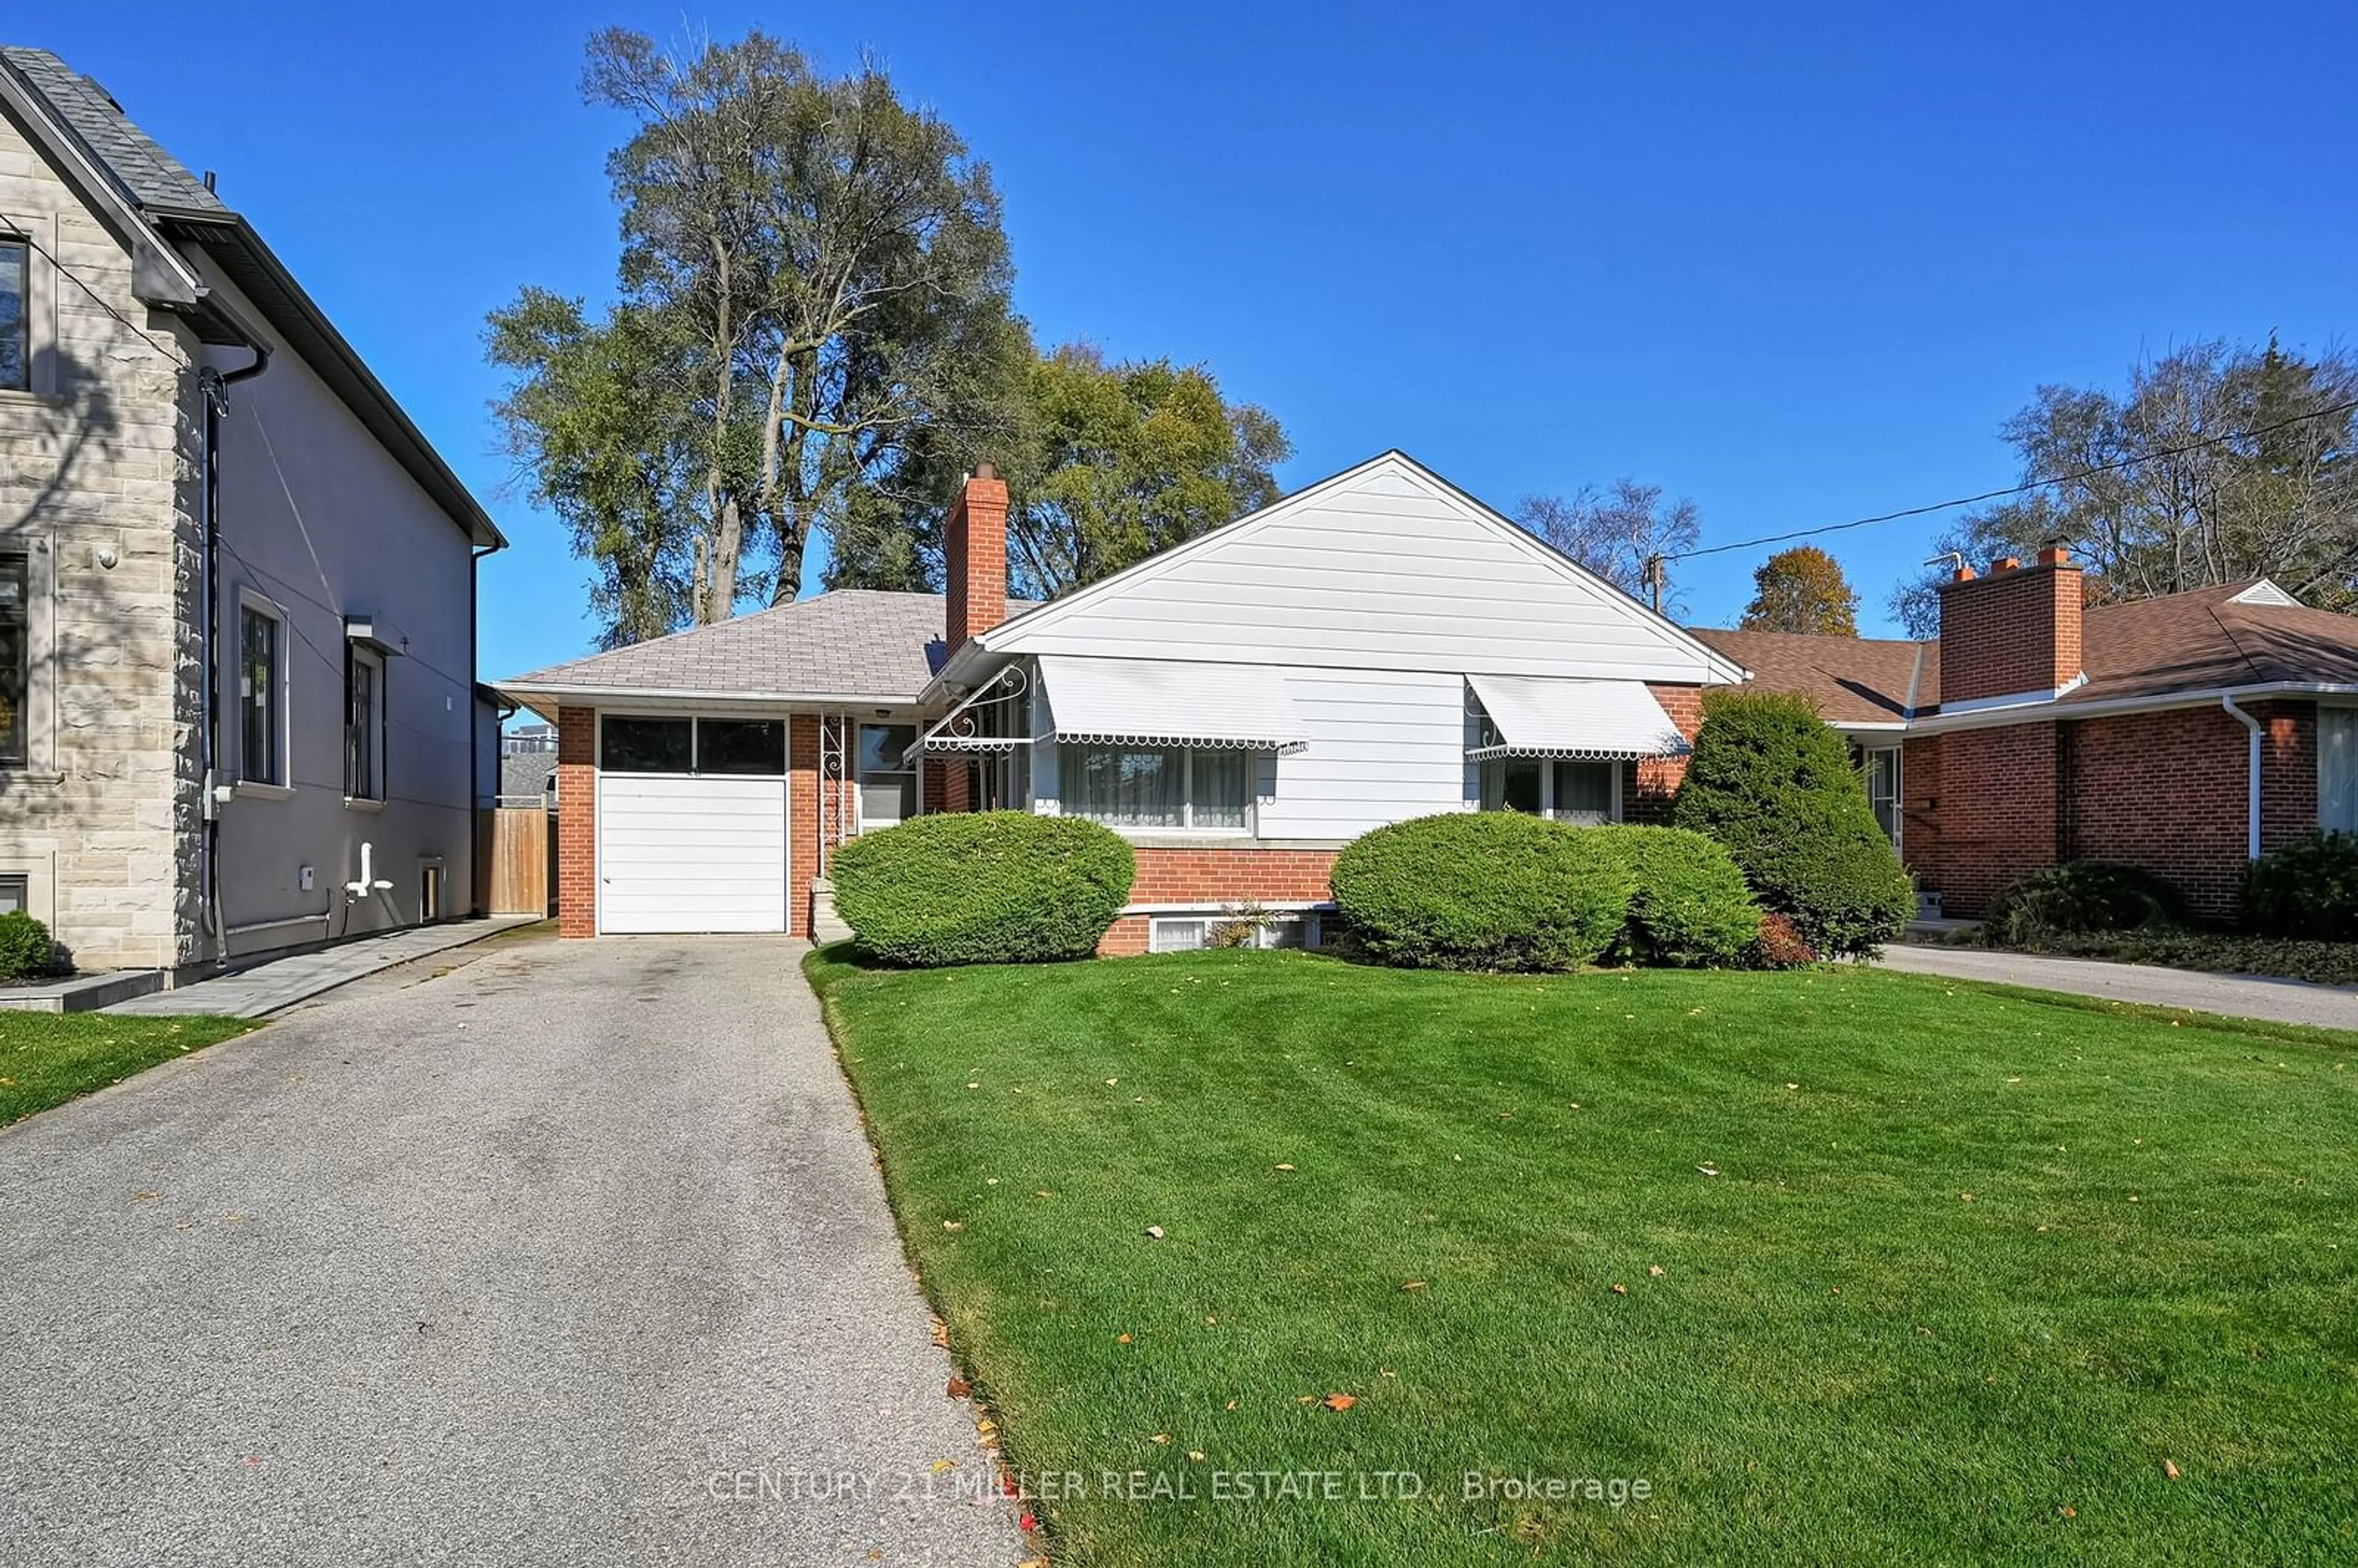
x=1382 y=569
x=1384 y=745
x=681 y=853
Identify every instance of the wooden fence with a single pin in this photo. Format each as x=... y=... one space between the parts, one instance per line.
x=518 y=845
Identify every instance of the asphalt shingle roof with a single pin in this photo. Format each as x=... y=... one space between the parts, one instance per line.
x=850 y=643
x=2202 y=640
x=149 y=175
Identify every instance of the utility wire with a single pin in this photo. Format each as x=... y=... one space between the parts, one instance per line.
x=22 y=233
x=2023 y=489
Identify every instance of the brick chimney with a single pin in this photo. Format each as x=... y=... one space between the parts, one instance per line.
x=2014 y=632
x=974 y=550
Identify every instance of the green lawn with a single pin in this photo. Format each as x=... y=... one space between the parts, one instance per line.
x=1976 y=1268
x=48 y=1058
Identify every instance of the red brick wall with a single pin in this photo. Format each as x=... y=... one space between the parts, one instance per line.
x=802 y=818
x=1648 y=787
x=1980 y=810
x=577 y=822
x=1218 y=876
x=2012 y=632
x=2163 y=791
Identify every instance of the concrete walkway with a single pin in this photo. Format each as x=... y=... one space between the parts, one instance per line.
x=2236 y=996
x=274 y=983
x=574 y=1254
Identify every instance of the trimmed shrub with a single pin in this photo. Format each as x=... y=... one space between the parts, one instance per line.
x=2306 y=888
x=25 y=946
x=2081 y=896
x=1689 y=905
x=1777 y=946
x=1774 y=785
x=991 y=887
x=1492 y=890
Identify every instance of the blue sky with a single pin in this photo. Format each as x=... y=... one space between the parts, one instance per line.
x=1797 y=262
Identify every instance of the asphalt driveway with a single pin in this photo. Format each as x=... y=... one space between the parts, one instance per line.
x=573 y=1253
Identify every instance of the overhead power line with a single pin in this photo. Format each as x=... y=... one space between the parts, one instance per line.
x=2023 y=489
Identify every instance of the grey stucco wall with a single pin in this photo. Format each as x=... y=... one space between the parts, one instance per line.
x=320 y=521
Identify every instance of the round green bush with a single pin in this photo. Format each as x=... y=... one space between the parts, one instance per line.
x=1492 y=889
x=1771 y=782
x=2306 y=888
x=990 y=887
x=2082 y=896
x=25 y=946
x=1689 y=905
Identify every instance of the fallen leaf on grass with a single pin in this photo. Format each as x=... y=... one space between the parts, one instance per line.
x=1654 y=1270
x=2170 y=1469
x=958 y=1387
x=941 y=1333
x=1121 y=1339
x=1708 y=1170
x=1413 y=1285
x=1232 y=1404
x=1339 y=1401
x=1154 y=1232
x=1196 y=1454
x=1620 y=1290
x=1285 y=1167
x=953 y=1225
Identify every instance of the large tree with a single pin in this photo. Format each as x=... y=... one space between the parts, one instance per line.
x=1106 y=464
x=1802 y=589
x=812 y=275
x=1614 y=531
x=2265 y=489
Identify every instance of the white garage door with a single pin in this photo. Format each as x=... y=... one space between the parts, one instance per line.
x=678 y=852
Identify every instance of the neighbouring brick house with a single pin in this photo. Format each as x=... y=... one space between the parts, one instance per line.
x=237 y=584
x=1375 y=647
x=2184 y=734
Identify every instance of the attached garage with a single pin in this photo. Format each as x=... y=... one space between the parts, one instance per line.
x=692 y=823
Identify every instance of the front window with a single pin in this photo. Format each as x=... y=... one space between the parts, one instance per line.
x=2337 y=769
x=15 y=657
x=1569 y=789
x=261 y=677
x=888 y=789
x=364 y=727
x=15 y=340
x=1167 y=786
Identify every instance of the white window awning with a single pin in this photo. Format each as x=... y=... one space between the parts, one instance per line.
x=1170 y=702
x=1534 y=717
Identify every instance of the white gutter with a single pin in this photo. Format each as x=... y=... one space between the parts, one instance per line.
x=2045 y=712
x=2251 y=776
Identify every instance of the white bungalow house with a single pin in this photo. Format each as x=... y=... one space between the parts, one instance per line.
x=1375 y=647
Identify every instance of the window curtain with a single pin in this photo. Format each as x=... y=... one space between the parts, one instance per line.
x=2337 y=769
x=1124 y=788
x=1584 y=791
x=1221 y=788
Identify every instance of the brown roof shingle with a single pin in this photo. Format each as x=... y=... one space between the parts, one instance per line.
x=2202 y=640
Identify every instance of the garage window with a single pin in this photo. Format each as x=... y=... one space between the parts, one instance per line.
x=741 y=746
x=646 y=745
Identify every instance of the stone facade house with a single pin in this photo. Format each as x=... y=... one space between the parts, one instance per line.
x=238 y=709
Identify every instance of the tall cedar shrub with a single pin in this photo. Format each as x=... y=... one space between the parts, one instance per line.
x=1492 y=890
x=1690 y=906
x=1771 y=782
x=2309 y=888
x=991 y=887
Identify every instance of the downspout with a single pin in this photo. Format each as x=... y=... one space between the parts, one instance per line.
x=2252 y=772
x=475 y=878
x=212 y=394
